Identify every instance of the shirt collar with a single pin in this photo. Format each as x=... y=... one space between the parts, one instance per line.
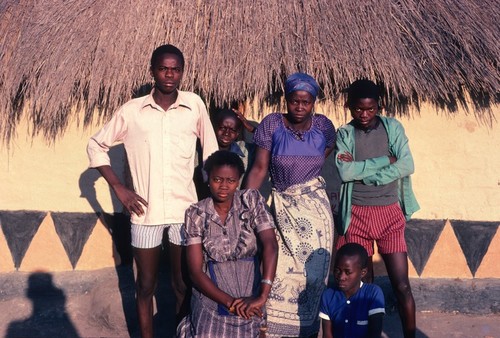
x=180 y=101
x=235 y=148
x=375 y=126
x=366 y=131
x=210 y=209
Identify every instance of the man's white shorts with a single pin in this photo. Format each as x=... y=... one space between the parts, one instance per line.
x=151 y=236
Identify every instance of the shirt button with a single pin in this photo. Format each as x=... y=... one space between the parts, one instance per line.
x=348 y=302
x=347 y=321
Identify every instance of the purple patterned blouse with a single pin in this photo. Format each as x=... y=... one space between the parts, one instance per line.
x=295 y=158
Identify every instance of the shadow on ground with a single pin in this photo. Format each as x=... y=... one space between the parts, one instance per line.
x=80 y=304
x=101 y=303
x=48 y=317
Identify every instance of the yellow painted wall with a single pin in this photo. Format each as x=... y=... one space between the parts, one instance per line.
x=457 y=172
x=457 y=162
x=38 y=176
x=456 y=178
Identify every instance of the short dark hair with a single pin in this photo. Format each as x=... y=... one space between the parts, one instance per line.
x=166 y=49
x=362 y=89
x=224 y=157
x=224 y=113
x=352 y=250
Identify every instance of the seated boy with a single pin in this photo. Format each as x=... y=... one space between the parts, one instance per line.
x=352 y=309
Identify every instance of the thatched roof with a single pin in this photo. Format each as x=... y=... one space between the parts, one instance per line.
x=60 y=56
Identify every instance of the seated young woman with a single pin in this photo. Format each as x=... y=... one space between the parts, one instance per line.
x=232 y=254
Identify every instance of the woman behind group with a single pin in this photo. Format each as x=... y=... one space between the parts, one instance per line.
x=228 y=235
x=293 y=147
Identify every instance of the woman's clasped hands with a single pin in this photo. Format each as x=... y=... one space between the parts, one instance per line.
x=247 y=307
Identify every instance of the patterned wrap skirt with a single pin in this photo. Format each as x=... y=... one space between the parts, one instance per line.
x=305 y=227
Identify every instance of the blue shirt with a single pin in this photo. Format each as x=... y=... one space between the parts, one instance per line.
x=296 y=157
x=349 y=317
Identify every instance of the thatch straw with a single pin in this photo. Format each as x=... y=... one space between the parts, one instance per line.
x=59 y=56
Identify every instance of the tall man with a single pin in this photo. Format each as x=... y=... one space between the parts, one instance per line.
x=159 y=132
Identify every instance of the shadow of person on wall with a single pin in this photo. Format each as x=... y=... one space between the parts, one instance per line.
x=117 y=223
x=49 y=317
x=118 y=226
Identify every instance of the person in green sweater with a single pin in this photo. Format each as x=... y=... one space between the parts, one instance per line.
x=376 y=199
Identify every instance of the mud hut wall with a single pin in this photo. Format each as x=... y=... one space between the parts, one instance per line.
x=56 y=214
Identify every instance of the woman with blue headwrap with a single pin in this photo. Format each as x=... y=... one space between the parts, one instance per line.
x=293 y=147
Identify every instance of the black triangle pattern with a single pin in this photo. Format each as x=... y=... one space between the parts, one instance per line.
x=74 y=230
x=19 y=228
x=474 y=239
x=421 y=238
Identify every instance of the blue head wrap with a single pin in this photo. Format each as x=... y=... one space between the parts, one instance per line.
x=301 y=81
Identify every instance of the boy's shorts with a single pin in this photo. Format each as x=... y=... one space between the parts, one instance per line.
x=151 y=236
x=384 y=224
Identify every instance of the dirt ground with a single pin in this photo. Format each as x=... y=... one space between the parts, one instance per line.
x=101 y=304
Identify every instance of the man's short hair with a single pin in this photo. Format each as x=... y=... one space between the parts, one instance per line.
x=166 y=49
x=362 y=89
x=351 y=250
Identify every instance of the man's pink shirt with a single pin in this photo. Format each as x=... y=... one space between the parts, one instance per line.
x=160 y=148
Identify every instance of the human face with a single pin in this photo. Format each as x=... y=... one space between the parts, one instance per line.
x=364 y=112
x=299 y=105
x=223 y=181
x=348 y=274
x=167 y=72
x=227 y=132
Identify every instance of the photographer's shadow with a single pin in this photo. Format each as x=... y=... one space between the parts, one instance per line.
x=49 y=317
